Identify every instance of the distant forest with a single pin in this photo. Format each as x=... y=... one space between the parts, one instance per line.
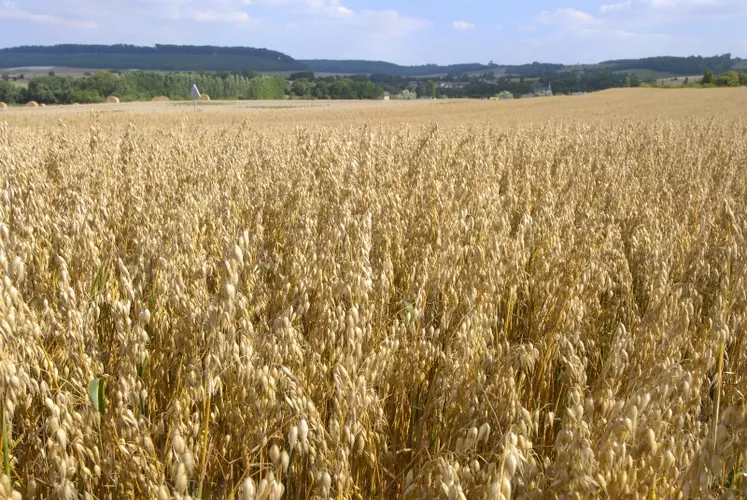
x=370 y=67
x=678 y=66
x=242 y=59
x=692 y=65
x=159 y=57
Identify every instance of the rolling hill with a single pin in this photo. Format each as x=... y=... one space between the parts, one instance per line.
x=211 y=58
x=381 y=67
x=159 y=57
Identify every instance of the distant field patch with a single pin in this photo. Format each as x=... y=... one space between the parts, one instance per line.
x=680 y=79
x=647 y=74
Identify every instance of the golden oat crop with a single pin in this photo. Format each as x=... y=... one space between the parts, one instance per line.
x=237 y=311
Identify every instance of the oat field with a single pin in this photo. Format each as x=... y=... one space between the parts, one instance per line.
x=456 y=300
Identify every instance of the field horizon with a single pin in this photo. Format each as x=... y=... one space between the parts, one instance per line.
x=614 y=103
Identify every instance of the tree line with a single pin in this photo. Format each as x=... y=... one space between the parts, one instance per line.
x=356 y=87
x=140 y=85
x=692 y=65
x=489 y=84
x=726 y=79
x=370 y=67
x=144 y=85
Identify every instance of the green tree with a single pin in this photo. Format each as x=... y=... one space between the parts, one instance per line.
x=342 y=89
x=104 y=83
x=732 y=79
x=707 y=77
x=742 y=78
x=430 y=89
x=9 y=92
x=321 y=90
x=85 y=96
x=627 y=81
x=301 y=88
x=307 y=75
x=367 y=90
x=50 y=90
x=267 y=88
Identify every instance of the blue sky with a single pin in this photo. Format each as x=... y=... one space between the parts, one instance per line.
x=412 y=32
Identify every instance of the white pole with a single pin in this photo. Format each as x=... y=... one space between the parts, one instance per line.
x=195 y=95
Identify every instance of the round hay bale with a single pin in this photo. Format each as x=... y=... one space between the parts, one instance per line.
x=42 y=105
x=160 y=98
x=112 y=99
x=32 y=104
x=3 y=105
x=204 y=97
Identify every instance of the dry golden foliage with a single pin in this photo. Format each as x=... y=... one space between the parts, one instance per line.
x=207 y=307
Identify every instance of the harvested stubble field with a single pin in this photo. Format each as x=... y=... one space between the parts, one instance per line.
x=326 y=302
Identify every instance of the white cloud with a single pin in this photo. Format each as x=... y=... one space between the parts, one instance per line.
x=331 y=8
x=462 y=25
x=215 y=11
x=210 y=15
x=367 y=24
x=618 y=28
x=635 y=15
x=639 y=17
x=679 y=4
x=655 y=12
x=9 y=10
x=566 y=16
x=616 y=7
x=300 y=28
x=387 y=23
x=368 y=33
